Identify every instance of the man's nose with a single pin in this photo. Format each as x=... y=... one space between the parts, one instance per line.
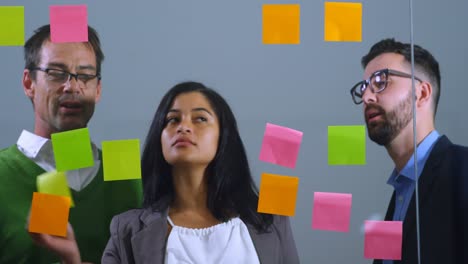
x=72 y=84
x=368 y=96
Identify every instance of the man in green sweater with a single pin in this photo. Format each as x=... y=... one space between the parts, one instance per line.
x=63 y=82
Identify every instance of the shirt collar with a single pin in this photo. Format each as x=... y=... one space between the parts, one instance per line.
x=33 y=145
x=422 y=151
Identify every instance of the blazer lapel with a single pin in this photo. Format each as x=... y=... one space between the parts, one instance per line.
x=149 y=245
x=264 y=245
x=424 y=183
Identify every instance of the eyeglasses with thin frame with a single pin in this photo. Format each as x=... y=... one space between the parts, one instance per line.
x=63 y=77
x=377 y=82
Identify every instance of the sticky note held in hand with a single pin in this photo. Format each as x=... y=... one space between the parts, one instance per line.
x=49 y=214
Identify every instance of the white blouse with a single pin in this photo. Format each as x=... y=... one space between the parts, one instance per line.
x=228 y=242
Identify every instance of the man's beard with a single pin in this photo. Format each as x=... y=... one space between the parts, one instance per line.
x=384 y=131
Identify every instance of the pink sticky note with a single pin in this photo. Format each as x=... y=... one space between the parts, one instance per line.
x=383 y=239
x=332 y=211
x=68 y=23
x=280 y=145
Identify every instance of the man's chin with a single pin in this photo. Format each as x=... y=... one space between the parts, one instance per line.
x=66 y=126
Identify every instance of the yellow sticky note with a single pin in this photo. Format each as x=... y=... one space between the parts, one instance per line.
x=278 y=194
x=281 y=24
x=11 y=25
x=49 y=214
x=54 y=183
x=121 y=159
x=343 y=21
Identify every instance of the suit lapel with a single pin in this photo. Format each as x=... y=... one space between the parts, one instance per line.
x=426 y=178
x=264 y=245
x=149 y=245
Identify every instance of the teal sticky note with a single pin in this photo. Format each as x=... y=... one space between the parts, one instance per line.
x=121 y=159
x=72 y=149
x=346 y=145
x=11 y=25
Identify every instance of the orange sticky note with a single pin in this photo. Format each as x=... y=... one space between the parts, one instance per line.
x=278 y=194
x=343 y=21
x=49 y=214
x=281 y=23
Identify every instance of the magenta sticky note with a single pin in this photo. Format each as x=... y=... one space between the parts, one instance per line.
x=68 y=23
x=332 y=211
x=280 y=145
x=383 y=239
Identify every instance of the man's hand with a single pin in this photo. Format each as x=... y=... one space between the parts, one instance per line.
x=65 y=247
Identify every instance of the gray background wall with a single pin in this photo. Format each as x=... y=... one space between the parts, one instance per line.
x=152 y=45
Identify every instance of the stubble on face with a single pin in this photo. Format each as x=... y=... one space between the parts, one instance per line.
x=392 y=123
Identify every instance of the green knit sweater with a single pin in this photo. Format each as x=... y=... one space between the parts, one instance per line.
x=95 y=206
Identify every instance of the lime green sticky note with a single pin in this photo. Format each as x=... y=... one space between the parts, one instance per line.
x=121 y=159
x=11 y=25
x=72 y=149
x=54 y=183
x=346 y=145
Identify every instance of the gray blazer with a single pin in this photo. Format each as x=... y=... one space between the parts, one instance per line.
x=139 y=236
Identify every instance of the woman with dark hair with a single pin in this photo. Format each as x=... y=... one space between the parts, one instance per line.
x=200 y=201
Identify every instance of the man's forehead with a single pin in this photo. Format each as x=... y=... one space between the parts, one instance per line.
x=385 y=61
x=64 y=53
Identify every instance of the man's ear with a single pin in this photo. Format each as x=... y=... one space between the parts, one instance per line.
x=424 y=96
x=28 y=84
x=98 y=92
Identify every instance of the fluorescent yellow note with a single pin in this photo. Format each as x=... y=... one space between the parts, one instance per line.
x=11 y=25
x=281 y=24
x=343 y=21
x=121 y=159
x=54 y=183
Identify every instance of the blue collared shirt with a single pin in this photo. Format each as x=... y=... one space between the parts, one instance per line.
x=404 y=181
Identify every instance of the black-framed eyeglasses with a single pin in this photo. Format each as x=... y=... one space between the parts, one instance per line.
x=377 y=82
x=62 y=77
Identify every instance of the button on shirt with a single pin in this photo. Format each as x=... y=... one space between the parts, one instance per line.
x=404 y=182
x=40 y=151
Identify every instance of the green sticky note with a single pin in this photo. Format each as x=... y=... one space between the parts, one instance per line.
x=346 y=145
x=72 y=149
x=54 y=183
x=11 y=25
x=121 y=159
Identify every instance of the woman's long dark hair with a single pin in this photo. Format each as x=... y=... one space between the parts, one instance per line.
x=231 y=189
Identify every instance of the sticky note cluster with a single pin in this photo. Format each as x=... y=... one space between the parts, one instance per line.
x=281 y=22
